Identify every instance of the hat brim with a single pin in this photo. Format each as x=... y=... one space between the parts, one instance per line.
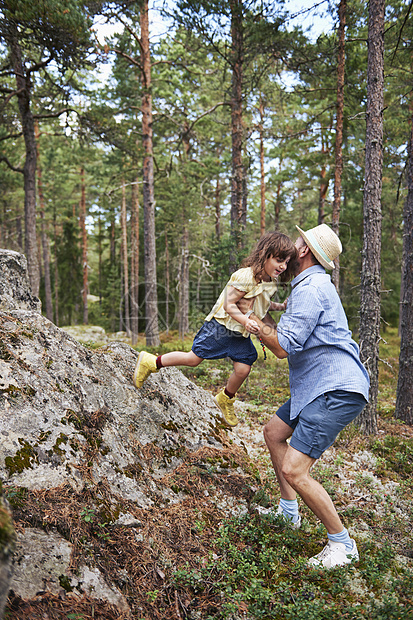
x=321 y=259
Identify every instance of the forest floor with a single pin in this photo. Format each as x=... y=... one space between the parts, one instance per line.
x=214 y=557
x=370 y=481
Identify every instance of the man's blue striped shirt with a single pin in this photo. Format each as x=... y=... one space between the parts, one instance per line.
x=314 y=332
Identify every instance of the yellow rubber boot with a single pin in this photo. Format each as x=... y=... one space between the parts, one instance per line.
x=226 y=404
x=145 y=366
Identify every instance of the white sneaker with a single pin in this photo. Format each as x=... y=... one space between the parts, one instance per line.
x=335 y=554
x=279 y=512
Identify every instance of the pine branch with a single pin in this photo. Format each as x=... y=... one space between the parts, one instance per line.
x=133 y=61
x=54 y=114
x=11 y=166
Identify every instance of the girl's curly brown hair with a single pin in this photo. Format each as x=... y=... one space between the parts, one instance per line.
x=272 y=244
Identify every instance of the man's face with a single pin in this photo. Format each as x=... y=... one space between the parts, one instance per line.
x=300 y=244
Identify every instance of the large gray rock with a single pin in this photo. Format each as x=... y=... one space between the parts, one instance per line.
x=70 y=416
x=14 y=283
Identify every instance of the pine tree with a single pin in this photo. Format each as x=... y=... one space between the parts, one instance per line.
x=371 y=273
x=36 y=36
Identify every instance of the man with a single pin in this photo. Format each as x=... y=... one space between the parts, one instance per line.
x=329 y=388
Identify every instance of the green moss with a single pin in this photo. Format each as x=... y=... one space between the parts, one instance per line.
x=16 y=496
x=62 y=439
x=170 y=453
x=65 y=583
x=44 y=436
x=396 y=455
x=24 y=458
x=14 y=391
x=71 y=417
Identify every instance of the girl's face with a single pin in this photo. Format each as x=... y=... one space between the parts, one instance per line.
x=274 y=267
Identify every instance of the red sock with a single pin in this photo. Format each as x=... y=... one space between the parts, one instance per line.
x=159 y=362
x=229 y=394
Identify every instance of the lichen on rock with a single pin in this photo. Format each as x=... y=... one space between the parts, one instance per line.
x=73 y=425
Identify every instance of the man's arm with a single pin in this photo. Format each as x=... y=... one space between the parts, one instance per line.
x=268 y=334
x=268 y=329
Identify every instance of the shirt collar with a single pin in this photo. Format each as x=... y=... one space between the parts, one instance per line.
x=307 y=272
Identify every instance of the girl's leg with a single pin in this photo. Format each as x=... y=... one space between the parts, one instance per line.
x=180 y=358
x=240 y=373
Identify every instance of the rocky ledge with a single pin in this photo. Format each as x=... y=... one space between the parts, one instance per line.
x=82 y=448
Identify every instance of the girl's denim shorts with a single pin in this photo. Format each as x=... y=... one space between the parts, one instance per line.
x=214 y=341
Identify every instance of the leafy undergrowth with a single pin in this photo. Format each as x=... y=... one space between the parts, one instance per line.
x=192 y=561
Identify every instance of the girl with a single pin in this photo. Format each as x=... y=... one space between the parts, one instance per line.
x=226 y=330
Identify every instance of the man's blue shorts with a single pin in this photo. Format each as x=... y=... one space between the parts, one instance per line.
x=319 y=423
x=214 y=341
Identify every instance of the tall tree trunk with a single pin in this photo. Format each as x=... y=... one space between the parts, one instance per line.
x=323 y=184
x=84 y=246
x=167 y=281
x=184 y=266
x=372 y=216
x=19 y=233
x=44 y=237
x=404 y=399
x=125 y=261
x=277 y=205
x=184 y=284
x=338 y=169
x=237 y=176
x=218 y=210
x=135 y=263
x=151 y=295
x=322 y=196
x=100 y=258
x=262 y=172
x=23 y=96
x=56 y=270
x=112 y=254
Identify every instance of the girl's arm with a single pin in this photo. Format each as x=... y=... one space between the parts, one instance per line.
x=233 y=295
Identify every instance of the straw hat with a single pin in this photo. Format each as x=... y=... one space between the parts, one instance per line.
x=323 y=243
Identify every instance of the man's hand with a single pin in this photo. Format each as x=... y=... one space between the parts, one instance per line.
x=277 y=307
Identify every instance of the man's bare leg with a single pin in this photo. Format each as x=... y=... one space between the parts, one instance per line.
x=292 y=469
x=296 y=471
x=276 y=433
